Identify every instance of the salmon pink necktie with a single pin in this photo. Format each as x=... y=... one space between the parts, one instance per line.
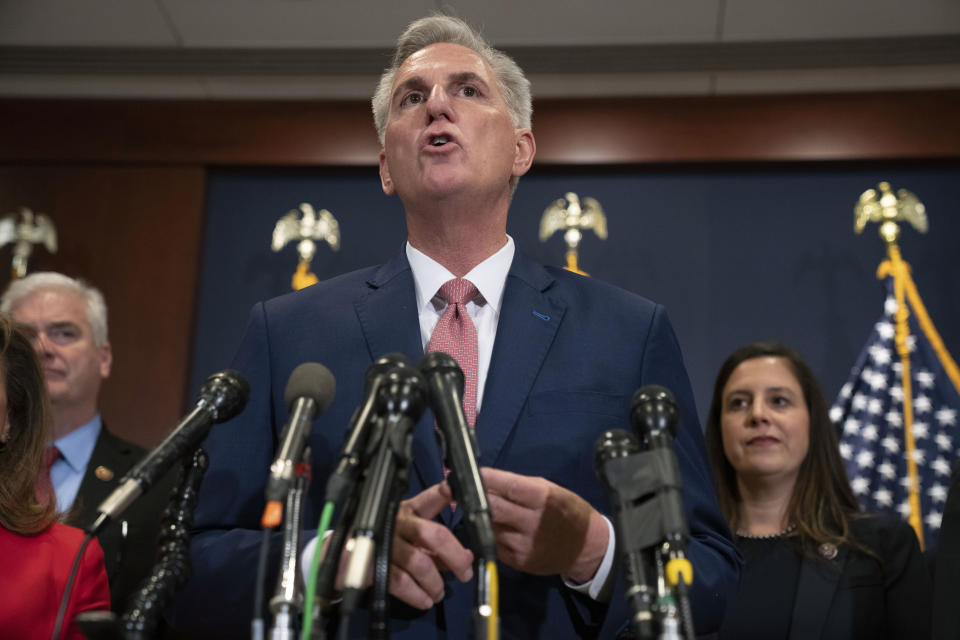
x=456 y=336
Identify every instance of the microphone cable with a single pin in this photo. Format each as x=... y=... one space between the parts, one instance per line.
x=311 y=590
x=256 y=624
x=65 y=600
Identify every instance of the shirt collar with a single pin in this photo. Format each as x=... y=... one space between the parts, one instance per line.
x=77 y=446
x=489 y=277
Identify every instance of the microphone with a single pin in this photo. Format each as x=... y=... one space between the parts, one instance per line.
x=354 y=452
x=654 y=415
x=618 y=463
x=222 y=396
x=404 y=402
x=310 y=390
x=459 y=446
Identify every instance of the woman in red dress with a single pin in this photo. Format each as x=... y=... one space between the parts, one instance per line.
x=37 y=551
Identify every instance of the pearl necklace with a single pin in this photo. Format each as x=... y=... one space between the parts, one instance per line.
x=743 y=534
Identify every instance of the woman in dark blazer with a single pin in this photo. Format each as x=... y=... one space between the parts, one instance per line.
x=815 y=567
x=37 y=552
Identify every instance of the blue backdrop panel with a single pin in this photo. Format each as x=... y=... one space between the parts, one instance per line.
x=736 y=254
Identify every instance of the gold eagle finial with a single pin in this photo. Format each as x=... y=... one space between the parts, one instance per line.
x=569 y=214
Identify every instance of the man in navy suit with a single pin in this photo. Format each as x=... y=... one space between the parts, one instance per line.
x=558 y=358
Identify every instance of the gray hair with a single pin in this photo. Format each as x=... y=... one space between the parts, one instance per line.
x=436 y=29
x=42 y=280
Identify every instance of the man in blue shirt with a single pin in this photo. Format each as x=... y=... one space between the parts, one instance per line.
x=67 y=320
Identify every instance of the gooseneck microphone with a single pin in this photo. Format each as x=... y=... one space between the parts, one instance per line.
x=310 y=390
x=445 y=381
x=222 y=396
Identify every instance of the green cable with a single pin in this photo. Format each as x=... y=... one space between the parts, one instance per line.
x=308 y=603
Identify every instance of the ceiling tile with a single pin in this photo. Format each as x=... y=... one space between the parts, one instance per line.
x=574 y=22
x=83 y=23
x=293 y=23
x=812 y=19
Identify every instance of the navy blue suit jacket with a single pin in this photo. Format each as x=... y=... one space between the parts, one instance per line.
x=568 y=355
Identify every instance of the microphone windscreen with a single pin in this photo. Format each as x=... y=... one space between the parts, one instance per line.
x=226 y=392
x=311 y=380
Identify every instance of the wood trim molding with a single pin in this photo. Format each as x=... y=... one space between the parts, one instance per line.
x=757 y=128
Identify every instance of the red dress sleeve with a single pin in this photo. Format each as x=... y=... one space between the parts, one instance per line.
x=91 y=591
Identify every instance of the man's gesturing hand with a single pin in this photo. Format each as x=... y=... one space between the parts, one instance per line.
x=422 y=548
x=544 y=529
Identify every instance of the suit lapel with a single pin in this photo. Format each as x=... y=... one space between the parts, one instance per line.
x=110 y=460
x=529 y=319
x=815 y=589
x=389 y=319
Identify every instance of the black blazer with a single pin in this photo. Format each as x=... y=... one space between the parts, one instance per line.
x=946 y=611
x=858 y=596
x=130 y=543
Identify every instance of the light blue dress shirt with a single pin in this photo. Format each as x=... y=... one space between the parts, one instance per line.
x=76 y=448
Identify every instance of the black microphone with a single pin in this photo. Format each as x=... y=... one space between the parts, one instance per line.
x=618 y=463
x=362 y=424
x=405 y=399
x=654 y=415
x=459 y=446
x=310 y=390
x=222 y=396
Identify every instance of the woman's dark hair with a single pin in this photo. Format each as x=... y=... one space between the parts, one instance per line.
x=822 y=501
x=21 y=457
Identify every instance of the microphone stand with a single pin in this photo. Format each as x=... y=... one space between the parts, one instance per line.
x=287 y=601
x=170 y=572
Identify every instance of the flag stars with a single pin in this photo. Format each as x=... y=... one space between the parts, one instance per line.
x=894 y=418
x=933 y=519
x=860 y=486
x=865 y=459
x=944 y=441
x=859 y=402
x=890 y=306
x=890 y=444
x=946 y=416
x=875 y=406
x=877 y=381
x=922 y=404
x=883 y=497
x=925 y=379
x=937 y=493
x=886 y=331
x=919 y=456
x=920 y=430
x=836 y=412
x=904 y=509
x=851 y=426
x=869 y=433
x=887 y=470
x=880 y=354
x=845 y=450
x=846 y=390
x=941 y=466
x=896 y=392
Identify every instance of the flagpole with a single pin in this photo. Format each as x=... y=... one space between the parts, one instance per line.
x=900 y=270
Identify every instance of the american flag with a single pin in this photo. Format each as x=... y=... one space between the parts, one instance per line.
x=869 y=414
